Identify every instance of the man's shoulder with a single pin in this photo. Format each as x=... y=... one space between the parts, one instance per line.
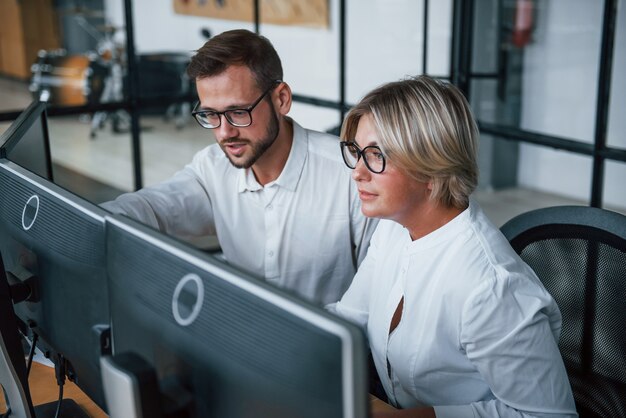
x=323 y=137
x=324 y=145
x=389 y=228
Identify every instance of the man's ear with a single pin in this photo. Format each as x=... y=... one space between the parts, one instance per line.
x=282 y=98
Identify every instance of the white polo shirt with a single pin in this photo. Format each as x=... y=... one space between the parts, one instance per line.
x=304 y=231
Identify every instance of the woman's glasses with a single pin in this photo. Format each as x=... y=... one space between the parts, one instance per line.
x=372 y=156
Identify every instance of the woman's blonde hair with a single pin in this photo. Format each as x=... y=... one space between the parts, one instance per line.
x=426 y=129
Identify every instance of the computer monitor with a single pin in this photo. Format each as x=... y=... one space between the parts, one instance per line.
x=26 y=142
x=221 y=342
x=55 y=242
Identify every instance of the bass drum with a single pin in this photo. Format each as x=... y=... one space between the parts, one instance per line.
x=67 y=80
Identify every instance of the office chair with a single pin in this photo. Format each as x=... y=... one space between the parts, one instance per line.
x=579 y=253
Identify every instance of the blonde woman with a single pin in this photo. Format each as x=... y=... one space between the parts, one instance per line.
x=458 y=324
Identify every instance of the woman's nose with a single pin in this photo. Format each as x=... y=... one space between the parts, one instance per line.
x=360 y=171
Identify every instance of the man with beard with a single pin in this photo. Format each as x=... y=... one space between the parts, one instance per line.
x=278 y=196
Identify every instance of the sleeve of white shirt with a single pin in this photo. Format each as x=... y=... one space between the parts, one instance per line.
x=179 y=206
x=510 y=334
x=354 y=305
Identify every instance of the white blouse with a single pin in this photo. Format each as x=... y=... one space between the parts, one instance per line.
x=478 y=333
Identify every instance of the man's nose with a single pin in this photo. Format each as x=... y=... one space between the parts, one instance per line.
x=225 y=130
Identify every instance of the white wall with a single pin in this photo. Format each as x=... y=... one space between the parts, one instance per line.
x=384 y=43
x=559 y=98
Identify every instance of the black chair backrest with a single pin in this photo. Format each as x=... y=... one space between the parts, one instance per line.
x=579 y=253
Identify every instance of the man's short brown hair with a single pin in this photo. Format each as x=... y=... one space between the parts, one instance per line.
x=238 y=47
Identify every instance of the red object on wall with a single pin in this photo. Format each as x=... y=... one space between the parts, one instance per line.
x=523 y=25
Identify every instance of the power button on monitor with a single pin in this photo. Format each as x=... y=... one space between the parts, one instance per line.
x=29 y=214
x=187 y=299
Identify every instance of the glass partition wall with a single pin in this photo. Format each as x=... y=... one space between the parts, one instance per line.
x=543 y=78
x=550 y=116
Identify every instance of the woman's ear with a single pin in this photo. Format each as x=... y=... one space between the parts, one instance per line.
x=282 y=98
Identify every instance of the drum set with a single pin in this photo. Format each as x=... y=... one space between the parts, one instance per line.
x=90 y=78
x=69 y=80
x=100 y=76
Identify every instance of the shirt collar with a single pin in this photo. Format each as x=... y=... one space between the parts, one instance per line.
x=458 y=225
x=292 y=171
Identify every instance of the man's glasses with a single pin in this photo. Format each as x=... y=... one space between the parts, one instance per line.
x=240 y=118
x=372 y=156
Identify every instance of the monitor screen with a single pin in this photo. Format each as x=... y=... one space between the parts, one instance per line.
x=27 y=143
x=229 y=343
x=56 y=241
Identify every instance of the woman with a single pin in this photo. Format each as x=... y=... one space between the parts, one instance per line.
x=458 y=325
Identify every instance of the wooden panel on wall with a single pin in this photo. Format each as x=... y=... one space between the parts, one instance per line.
x=40 y=23
x=26 y=26
x=312 y=13
x=12 y=39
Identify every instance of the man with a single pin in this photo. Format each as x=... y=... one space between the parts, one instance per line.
x=278 y=196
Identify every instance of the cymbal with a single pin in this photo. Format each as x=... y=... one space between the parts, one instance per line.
x=109 y=28
x=82 y=11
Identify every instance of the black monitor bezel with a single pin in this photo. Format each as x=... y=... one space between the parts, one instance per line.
x=35 y=112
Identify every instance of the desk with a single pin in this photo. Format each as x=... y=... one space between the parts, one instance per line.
x=376 y=405
x=44 y=389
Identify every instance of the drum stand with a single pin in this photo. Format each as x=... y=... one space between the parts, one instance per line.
x=113 y=91
x=110 y=55
x=180 y=112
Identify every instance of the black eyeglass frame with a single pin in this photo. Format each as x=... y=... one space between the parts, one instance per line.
x=225 y=113
x=359 y=153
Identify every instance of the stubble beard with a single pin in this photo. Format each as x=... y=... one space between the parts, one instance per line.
x=257 y=148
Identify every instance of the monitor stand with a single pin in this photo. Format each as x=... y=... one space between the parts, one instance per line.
x=13 y=374
x=69 y=409
x=131 y=387
x=16 y=394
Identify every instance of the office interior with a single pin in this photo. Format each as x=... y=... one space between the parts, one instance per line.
x=545 y=78
x=548 y=96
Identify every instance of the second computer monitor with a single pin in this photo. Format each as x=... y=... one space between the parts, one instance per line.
x=54 y=242
x=224 y=343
